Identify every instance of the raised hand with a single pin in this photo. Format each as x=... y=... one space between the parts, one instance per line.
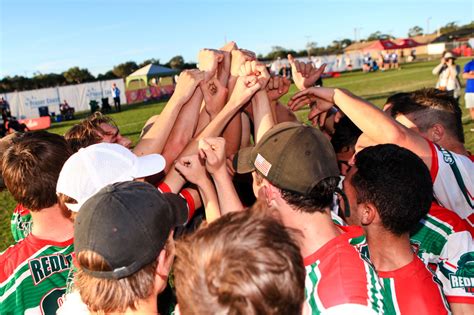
x=257 y=69
x=320 y=99
x=304 y=74
x=212 y=150
x=239 y=57
x=223 y=68
x=244 y=89
x=192 y=168
x=187 y=82
x=208 y=61
x=215 y=96
x=277 y=87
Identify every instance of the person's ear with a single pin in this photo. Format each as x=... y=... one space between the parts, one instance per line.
x=368 y=212
x=166 y=258
x=437 y=132
x=271 y=192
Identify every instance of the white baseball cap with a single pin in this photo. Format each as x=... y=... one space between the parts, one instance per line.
x=94 y=167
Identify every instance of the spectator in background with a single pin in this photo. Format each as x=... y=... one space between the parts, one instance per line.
x=448 y=72
x=468 y=75
x=348 y=62
x=116 y=96
x=367 y=63
x=5 y=109
x=66 y=111
x=394 y=60
x=386 y=61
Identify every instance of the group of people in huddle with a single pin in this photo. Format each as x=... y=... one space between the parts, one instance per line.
x=228 y=204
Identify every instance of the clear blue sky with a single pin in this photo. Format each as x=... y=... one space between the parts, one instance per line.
x=51 y=36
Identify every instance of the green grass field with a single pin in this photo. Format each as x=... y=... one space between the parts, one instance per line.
x=375 y=87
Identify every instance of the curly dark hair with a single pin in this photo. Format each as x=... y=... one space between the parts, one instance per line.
x=396 y=182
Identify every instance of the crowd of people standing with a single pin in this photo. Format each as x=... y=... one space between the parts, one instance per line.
x=228 y=204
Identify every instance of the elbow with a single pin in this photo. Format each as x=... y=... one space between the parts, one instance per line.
x=397 y=135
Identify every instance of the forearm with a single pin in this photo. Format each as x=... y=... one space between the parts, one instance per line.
x=154 y=140
x=437 y=69
x=214 y=129
x=262 y=113
x=203 y=121
x=233 y=135
x=468 y=75
x=229 y=200
x=380 y=127
x=210 y=200
x=183 y=129
x=174 y=180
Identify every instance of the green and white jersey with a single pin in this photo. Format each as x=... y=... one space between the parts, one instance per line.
x=20 y=223
x=340 y=280
x=443 y=242
x=453 y=182
x=33 y=276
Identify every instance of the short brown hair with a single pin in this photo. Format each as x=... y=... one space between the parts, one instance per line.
x=112 y=295
x=243 y=263
x=31 y=168
x=429 y=106
x=88 y=131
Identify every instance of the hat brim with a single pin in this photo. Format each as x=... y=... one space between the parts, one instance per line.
x=150 y=164
x=179 y=208
x=243 y=161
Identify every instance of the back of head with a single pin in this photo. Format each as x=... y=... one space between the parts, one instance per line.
x=430 y=106
x=297 y=159
x=87 y=132
x=31 y=168
x=396 y=182
x=118 y=236
x=345 y=135
x=243 y=263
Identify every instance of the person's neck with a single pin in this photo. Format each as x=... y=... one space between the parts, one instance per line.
x=316 y=228
x=51 y=224
x=454 y=146
x=389 y=252
x=147 y=306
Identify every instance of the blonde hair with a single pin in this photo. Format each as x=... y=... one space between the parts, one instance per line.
x=112 y=295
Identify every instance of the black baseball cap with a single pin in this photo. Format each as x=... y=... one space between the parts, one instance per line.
x=291 y=156
x=128 y=224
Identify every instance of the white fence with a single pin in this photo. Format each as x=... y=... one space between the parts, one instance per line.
x=25 y=104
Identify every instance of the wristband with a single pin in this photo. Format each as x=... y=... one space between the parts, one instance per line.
x=190 y=201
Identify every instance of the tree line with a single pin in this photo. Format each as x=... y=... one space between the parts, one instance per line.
x=75 y=75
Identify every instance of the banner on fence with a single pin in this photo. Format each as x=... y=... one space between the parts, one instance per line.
x=26 y=104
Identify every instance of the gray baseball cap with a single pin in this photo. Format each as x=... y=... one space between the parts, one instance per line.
x=127 y=224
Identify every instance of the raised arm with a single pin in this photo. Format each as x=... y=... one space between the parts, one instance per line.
x=371 y=120
x=192 y=168
x=304 y=75
x=244 y=89
x=262 y=112
x=155 y=139
x=212 y=149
